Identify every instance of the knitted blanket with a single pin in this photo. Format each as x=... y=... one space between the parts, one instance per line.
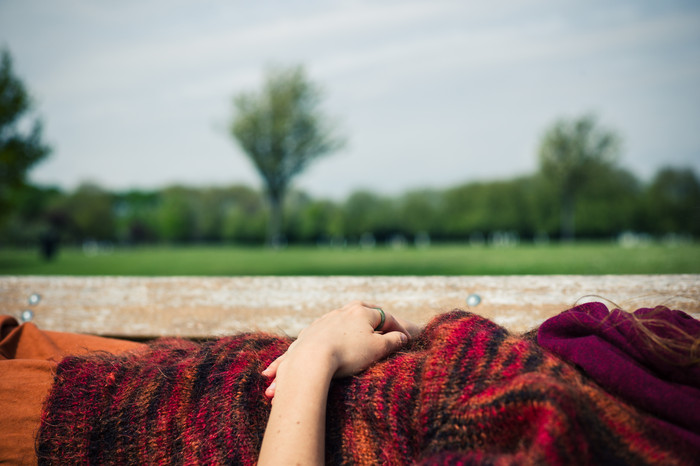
x=464 y=392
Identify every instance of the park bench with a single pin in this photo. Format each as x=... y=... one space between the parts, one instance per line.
x=200 y=307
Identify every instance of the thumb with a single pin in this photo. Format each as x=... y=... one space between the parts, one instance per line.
x=393 y=341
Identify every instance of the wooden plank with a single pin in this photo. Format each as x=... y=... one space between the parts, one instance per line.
x=201 y=307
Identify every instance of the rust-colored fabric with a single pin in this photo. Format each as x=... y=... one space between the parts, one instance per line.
x=28 y=359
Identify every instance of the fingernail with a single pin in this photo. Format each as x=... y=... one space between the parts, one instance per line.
x=271 y=388
x=404 y=338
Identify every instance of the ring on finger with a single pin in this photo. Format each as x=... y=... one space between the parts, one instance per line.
x=382 y=315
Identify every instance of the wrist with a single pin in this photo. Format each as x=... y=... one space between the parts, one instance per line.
x=295 y=429
x=307 y=364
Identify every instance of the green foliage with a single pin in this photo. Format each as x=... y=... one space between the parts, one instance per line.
x=572 y=154
x=420 y=212
x=673 y=203
x=235 y=213
x=245 y=216
x=135 y=213
x=282 y=130
x=612 y=202
x=91 y=211
x=481 y=208
x=316 y=221
x=19 y=150
x=30 y=216
x=366 y=212
x=175 y=215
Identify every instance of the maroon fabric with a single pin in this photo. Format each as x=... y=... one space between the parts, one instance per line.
x=610 y=349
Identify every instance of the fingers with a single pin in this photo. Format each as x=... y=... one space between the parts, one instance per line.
x=391 y=323
x=271 y=370
x=377 y=347
x=412 y=329
x=270 y=390
x=345 y=338
x=393 y=341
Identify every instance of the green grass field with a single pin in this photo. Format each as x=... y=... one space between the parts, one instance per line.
x=586 y=258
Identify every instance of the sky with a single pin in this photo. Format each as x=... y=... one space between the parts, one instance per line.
x=428 y=94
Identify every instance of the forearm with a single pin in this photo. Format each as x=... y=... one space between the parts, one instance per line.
x=295 y=432
x=341 y=343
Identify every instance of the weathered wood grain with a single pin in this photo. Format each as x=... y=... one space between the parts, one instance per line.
x=202 y=307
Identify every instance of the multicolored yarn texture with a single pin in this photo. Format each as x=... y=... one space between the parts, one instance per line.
x=465 y=392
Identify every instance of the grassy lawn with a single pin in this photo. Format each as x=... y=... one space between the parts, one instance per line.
x=586 y=258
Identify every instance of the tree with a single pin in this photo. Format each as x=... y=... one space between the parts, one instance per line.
x=175 y=215
x=91 y=211
x=282 y=130
x=19 y=150
x=368 y=213
x=673 y=202
x=571 y=153
x=419 y=211
x=609 y=204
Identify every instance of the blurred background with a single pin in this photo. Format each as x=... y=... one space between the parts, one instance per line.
x=353 y=137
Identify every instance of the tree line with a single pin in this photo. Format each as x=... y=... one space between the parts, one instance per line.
x=579 y=189
x=526 y=208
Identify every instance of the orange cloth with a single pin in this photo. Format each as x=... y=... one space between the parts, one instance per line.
x=28 y=359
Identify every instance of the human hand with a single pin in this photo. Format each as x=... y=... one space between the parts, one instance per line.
x=346 y=340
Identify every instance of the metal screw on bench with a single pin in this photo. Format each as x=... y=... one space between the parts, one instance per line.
x=34 y=299
x=473 y=300
x=27 y=315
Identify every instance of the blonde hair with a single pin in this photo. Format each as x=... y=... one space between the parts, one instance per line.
x=679 y=348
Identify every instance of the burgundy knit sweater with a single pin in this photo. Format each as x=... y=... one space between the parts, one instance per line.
x=465 y=392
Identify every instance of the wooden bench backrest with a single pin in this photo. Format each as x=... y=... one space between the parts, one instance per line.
x=197 y=307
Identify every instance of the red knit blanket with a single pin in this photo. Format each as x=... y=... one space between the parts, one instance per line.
x=465 y=392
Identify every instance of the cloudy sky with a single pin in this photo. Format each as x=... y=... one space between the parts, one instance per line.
x=138 y=94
